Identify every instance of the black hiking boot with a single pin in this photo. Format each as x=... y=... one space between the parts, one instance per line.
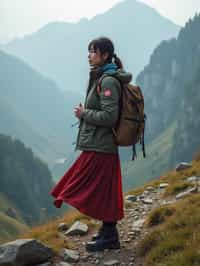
x=99 y=234
x=108 y=239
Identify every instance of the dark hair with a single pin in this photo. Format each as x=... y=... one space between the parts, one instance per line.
x=104 y=45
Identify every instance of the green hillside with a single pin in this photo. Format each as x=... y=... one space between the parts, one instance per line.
x=25 y=183
x=10 y=228
x=157 y=162
x=11 y=221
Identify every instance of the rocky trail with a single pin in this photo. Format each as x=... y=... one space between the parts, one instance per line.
x=132 y=229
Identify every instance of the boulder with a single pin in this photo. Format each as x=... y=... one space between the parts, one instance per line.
x=78 y=228
x=183 y=166
x=23 y=252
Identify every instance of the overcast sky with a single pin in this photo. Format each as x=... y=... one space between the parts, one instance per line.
x=18 y=17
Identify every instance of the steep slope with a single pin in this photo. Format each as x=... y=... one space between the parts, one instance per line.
x=25 y=184
x=158 y=160
x=170 y=83
x=160 y=227
x=59 y=50
x=188 y=128
x=12 y=124
x=172 y=66
x=11 y=221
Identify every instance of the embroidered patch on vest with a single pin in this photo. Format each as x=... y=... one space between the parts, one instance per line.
x=107 y=92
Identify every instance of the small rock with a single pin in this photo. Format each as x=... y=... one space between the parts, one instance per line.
x=63 y=227
x=163 y=185
x=140 y=197
x=98 y=255
x=131 y=198
x=193 y=179
x=11 y=212
x=147 y=201
x=146 y=192
x=111 y=263
x=127 y=240
x=137 y=224
x=69 y=255
x=132 y=259
x=85 y=257
x=44 y=264
x=183 y=166
x=97 y=261
x=164 y=202
x=62 y=263
x=186 y=193
x=117 y=251
x=77 y=228
x=150 y=188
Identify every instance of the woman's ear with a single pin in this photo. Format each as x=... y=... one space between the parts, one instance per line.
x=105 y=56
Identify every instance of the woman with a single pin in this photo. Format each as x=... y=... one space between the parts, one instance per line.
x=93 y=184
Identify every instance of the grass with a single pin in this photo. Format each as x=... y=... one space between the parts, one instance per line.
x=174 y=235
x=176 y=180
x=159 y=215
x=10 y=228
x=155 y=164
x=49 y=235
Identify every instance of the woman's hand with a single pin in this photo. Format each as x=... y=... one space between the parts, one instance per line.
x=78 y=110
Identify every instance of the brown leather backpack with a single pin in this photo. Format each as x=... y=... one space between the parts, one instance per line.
x=129 y=129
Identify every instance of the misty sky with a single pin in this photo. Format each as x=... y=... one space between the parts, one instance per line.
x=18 y=17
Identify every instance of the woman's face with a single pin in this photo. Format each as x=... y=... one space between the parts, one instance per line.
x=95 y=57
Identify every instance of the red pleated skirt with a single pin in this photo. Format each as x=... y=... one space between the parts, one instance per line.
x=93 y=185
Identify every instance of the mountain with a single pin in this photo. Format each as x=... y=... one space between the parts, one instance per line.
x=59 y=50
x=35 y=110
x=187 y=133
x=173 y=64
x=171 y=87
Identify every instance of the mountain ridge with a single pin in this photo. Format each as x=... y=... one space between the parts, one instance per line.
x=57 y=45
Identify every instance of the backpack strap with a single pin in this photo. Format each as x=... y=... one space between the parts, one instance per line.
x=99 y=83
x=134 y=154
x=142 y=138
x=99 y=91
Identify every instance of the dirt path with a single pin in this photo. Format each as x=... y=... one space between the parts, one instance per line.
x=129 y=237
